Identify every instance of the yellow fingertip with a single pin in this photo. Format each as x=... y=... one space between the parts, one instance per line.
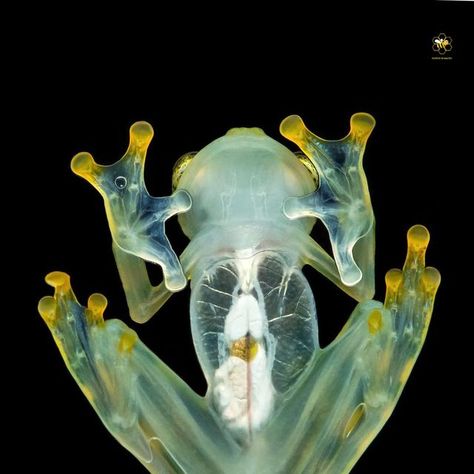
x=47 y=309
x=60 y=281
x=431 y=279
x=418 y=237
x=362 y=125
x=294 y=129
x=375 y=321
x=84 y=165
x=393 y=278
x=127 y=341
x=96 y=305
x=97 y=302
x=141 y=134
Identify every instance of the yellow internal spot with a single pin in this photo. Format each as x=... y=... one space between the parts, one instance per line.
x=96 y=306
x=88 y=393
x=245 y=348
x=406 y=370
x=354 y=420
x=106 y=377
x=127 y=341
x=418 y=237
x=375 y=322
x=141 y=134
x=47 y=309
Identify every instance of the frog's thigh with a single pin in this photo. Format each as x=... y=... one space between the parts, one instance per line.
x=149 y=409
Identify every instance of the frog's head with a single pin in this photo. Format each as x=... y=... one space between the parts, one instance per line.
x=243 y=176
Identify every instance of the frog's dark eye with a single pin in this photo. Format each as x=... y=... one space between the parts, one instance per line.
x=309 y=165
x=121 y=182
x=180 y=166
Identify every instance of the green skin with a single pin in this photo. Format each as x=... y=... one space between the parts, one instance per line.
x=243 y=200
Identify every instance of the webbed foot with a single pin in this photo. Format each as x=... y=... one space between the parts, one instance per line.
x=342 y=200
x=137 y=219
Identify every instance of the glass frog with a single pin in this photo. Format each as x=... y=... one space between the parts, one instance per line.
x=276 y=401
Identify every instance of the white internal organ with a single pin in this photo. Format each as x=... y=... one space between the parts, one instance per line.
x=244 y=392
x=245 y=317
x=243 y=389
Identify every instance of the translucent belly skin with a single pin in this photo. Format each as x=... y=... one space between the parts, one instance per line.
x=254 y=327
x=276 y=402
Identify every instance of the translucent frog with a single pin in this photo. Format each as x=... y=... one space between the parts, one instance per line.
x=276 y=401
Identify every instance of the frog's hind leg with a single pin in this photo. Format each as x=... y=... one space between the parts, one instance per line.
x=353 y=385
x=149 y=409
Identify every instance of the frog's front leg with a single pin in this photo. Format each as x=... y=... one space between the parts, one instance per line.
x=136 y=219
x=353 y=385
x=149 y=409
x=143 y=299
x=341 y=201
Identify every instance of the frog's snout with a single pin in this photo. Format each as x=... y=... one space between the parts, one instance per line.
x=249 y=131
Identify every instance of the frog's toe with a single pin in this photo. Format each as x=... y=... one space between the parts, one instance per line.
x=62 y=312
x=411 y=292
x=71 y=324
x=54 y=308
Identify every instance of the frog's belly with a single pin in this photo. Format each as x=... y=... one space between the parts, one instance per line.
x=254 y=325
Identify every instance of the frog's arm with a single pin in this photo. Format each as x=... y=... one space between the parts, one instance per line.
x=352 y=386
x=143 y=299
x=341 y=201
x=145 y=405
x=313 y=254
x=136 y=220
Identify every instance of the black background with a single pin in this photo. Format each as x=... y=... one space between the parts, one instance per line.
x=82 y=92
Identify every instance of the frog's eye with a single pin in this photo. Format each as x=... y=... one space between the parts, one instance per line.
x=179 y=167
x=309 y=165
x=120 y=182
